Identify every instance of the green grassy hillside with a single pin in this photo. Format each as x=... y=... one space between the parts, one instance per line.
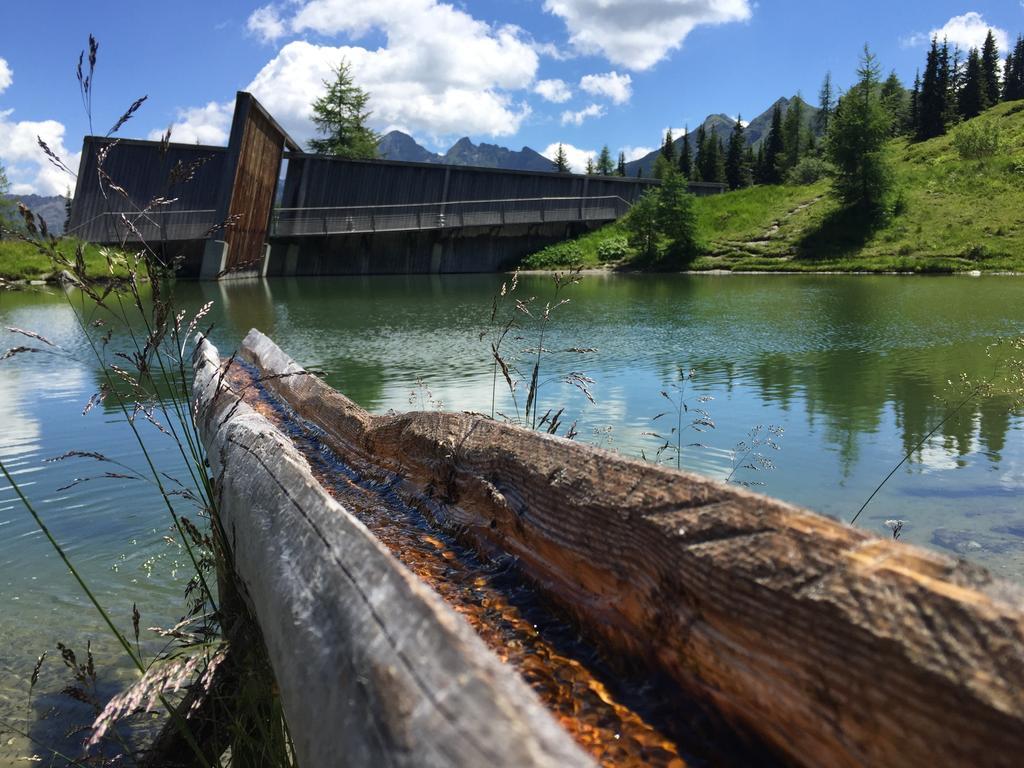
x=22 y=261
x=954 y=214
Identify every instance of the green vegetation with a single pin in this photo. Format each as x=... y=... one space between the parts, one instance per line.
x=957 y=208
x=340 y=116
x=22 y=260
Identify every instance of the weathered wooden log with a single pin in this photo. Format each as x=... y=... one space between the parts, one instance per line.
x=373 y=668
x=838 y=647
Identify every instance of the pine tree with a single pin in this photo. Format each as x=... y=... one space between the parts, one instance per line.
x=561 y=161
x=894 y=100
x=591 y=170
x=990 y=69
x=340 y=116
x=668 y=148
x=67 y=210
x=972 y=99
x=621 y=169
x=856 y=140
x=736 y=171
x=932 y=102
x=915 y=102
x=826 y=104
x=1013 y=85
x=775 y=150
x=719 y=167
x=751 y=161
x=605 y=166
x=948 y=83
x=686 y=156
x=701 y=152
x=760 y=174
x=792 y=130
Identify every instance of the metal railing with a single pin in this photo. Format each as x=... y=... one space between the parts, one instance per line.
x=149 y=226
x=291 y=222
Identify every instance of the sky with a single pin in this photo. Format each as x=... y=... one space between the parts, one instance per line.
x=585 y=73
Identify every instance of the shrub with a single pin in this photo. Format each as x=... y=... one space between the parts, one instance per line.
x=641 y=223
x=977 y=140
x=808 y=171
x=613 y=249
x=567 y=254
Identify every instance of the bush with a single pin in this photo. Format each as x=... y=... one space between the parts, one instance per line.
x=613 y=249
x=567 y=254
x=977 y=140
x=808 y=171
x=641 y=223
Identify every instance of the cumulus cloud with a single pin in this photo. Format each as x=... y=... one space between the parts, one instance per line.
x=637 y=34
x=27 y=168
x=201 y=125
x=616 y=87
x=6 y=75
x=577 y=118
x=635 y=153
x=555 y=90
x=968 y=31
x=440 y=71
x=577 y=157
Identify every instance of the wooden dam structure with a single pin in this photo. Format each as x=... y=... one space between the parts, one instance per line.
x=399 y=568
x=213 y=210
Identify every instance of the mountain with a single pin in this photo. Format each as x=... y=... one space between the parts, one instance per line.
x=396 y=145
x=721 y=125
x=51 y=208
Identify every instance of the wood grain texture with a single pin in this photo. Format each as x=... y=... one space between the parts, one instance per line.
x=373 y=668
x=838 y=647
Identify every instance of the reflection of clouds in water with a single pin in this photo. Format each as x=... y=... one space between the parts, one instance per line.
x=943 y=455
x=20 y=433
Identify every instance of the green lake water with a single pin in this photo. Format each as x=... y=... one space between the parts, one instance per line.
x=856 y=370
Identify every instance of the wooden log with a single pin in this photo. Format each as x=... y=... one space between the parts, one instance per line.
x=373 y=668
x=838 y=647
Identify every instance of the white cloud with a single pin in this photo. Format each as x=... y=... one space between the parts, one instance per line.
x=968 y=31
x=616 y=87
x=553 y=90
x=577 y=118
x=27 y=167
x=635 y=153
x=637 y=34
x=440 y=72
x=266 y=23
x=6 y=75
x=577 y=157
x=201 y=125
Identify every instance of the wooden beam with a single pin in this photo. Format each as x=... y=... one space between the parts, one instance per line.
x=373 y=667
x=838 y=647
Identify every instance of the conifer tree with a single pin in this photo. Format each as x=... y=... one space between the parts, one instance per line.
x=932 y=101
x=826 y=104
x=972 y=99
x=605 y=166
x=561 y=161
x=736 y=171
x=855 y=142
x=915 y=102
x=948 y=83
x=668 y=148
x=774 y=150
x=686 y=156
x=340 y=116
x=591 y=170
x=792 y=130
x=894 y=100
x=719 y=167
x=760 y=175
x=751 y=160
x=621 y=169
x=990 y=69
x=1013 y=85
x=701 y=152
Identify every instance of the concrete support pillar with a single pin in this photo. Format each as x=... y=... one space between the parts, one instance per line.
x=215 y=259
x=291 y=260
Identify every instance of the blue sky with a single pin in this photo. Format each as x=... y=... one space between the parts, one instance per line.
x=514 y=72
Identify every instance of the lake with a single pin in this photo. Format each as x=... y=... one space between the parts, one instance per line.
x=855 y=370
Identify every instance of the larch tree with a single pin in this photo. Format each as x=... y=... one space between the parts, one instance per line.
x=856 y=140
x=895 y=102
x=340 y=117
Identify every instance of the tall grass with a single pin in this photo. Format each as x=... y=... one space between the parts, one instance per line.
x=210 y=677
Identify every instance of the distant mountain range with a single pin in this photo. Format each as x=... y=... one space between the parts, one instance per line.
x=401 y=146
x=51 y=208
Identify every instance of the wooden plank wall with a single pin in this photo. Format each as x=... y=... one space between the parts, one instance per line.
x=317 y=181
x=144 y=173
x=252 y=191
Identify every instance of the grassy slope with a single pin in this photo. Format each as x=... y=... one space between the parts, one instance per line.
x=21 y=261
x=958 y=215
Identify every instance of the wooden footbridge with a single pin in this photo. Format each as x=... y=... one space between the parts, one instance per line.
x=223 y=212
x=400 y=568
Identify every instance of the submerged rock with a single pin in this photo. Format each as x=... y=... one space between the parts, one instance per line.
x=967 y=542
